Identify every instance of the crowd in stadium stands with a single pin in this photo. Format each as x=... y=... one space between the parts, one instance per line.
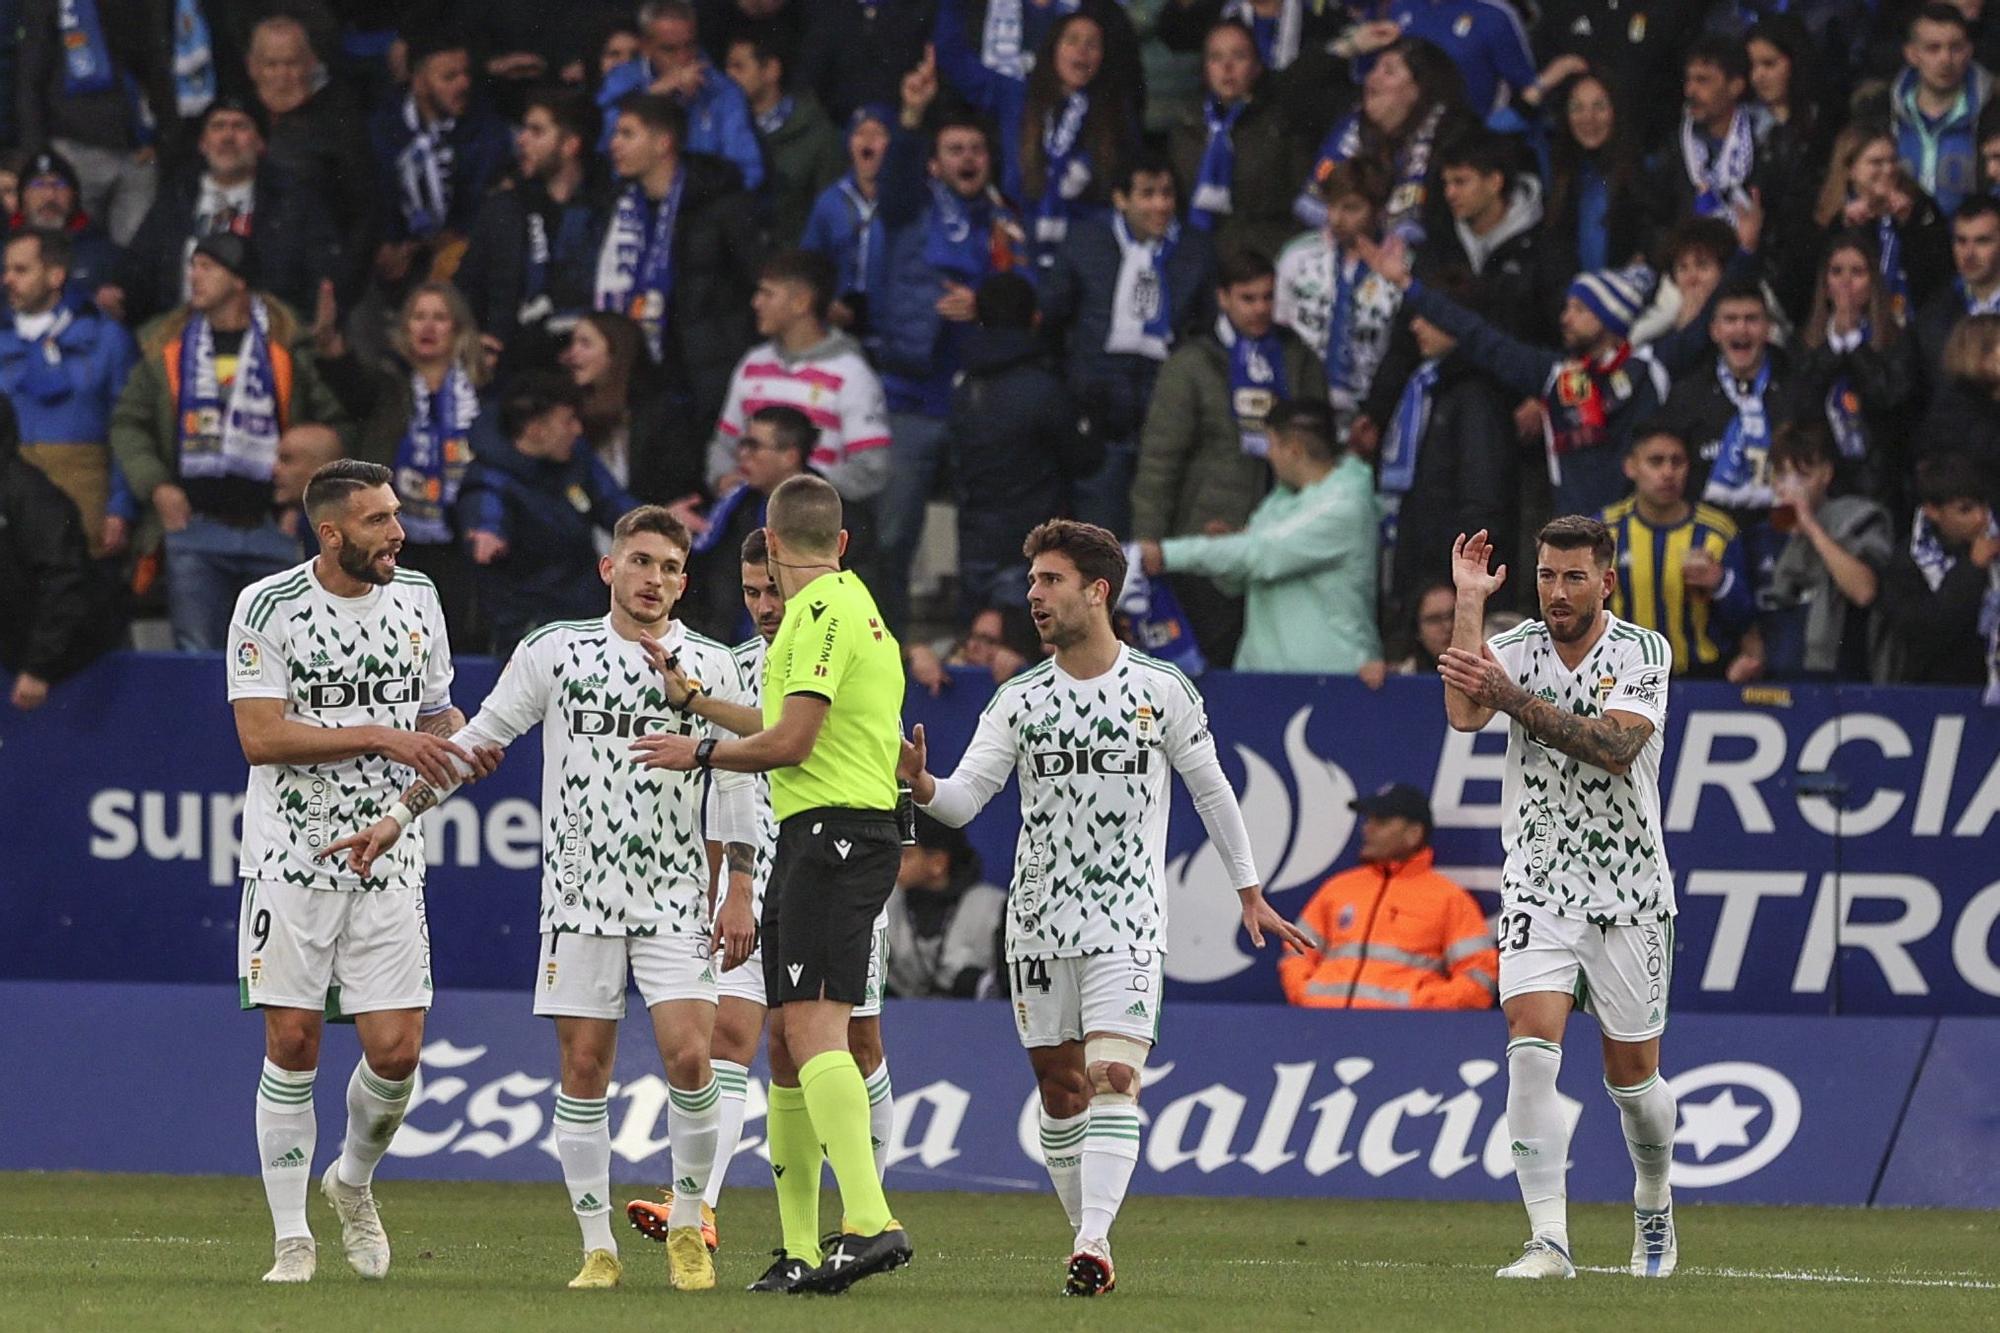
x=1287 y=293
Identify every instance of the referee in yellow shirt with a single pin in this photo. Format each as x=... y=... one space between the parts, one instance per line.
x=833 y=701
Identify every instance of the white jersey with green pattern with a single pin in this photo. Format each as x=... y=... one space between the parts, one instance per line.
x=623 y=847
x=749 y=657
x=376 y=660
x=1581 y=841
x=1094 y=758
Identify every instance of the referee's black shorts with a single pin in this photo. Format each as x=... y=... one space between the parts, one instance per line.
x=833 y=870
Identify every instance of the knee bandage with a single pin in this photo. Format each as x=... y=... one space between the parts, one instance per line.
x=1100 y=1054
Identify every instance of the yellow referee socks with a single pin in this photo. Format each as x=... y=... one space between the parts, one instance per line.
x=838 y=1101
x=795 y=1162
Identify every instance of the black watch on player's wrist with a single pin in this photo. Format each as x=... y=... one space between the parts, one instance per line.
x=704 y=752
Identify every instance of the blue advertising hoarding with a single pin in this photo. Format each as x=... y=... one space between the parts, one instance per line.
x=1778 y=1110
x=1833 y=850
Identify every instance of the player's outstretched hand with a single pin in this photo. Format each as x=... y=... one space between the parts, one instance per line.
x=1259 y=917
x=485 y=761
x=362 y=848
x=915 y=755
x=671 y=752
x=735 y=931
x=431 y=756
x=1470 y=557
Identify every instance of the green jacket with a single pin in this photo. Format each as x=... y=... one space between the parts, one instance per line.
x=807 y=154
x=144 y=429
x=1306 y=563
x=1192 y=470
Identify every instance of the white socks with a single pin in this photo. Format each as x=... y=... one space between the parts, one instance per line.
x=1540 y=1135
x=1110 y=1151
x=583 y=1142
x=1649 y=1115
x=375 y=1107
x=691 y=1132
x=1062 y=1153
x=732 y=1081
x=286 y=1129
x=881 y=1113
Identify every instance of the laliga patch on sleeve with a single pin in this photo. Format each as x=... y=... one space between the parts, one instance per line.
x=249 y=660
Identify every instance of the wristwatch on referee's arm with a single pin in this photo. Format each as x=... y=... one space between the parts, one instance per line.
x=704 y=750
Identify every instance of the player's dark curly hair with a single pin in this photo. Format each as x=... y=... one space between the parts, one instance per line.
x=1093 y=550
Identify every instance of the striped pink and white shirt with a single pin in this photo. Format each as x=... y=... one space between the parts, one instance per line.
x=834 y=386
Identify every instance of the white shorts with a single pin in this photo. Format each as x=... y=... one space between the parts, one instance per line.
x=584 y=976
x=1066 y=999
x=340 y=952
x=744 y=982
x=878 y=964
x=747 y=982
x=1618 y=974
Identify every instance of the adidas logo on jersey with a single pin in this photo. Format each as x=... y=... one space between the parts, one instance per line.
x=292 y=1157
x=1137 y=1009
x=320 y=659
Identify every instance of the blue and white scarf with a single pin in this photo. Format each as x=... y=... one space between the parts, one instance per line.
x=856 y=278
x=1843 y=408
x=423 y=170
x=635 y=269
x=1277 y=42
x=1974 y=305
x=1154 y=619
x=1406 y=431
x=1212 y=185
x=1934 y=562
x=1003 y=40
x=1895 y=279
x=1256 y=382
x=1346 y=278
x=723 y=514
x=1142 y=305
x=1719 y=177
x=88 y=67
x=1738 y=478
x=959 y=235
x=1403 y=215
x=770 y=122
x=1068 y=170
x=194 y=60
x=236 y=437
x=431 y=457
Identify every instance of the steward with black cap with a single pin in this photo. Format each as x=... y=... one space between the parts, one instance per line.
x=1392 y=933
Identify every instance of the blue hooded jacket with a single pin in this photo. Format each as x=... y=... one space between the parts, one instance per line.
x=63 y=389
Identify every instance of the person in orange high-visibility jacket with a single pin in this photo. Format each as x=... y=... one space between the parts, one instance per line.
x=1392 y=933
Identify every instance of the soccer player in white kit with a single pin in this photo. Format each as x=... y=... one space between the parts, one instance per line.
x=340 y=681
x=625 y=873
x=741 y=1010
x=1586 y=897
x=1093 y=734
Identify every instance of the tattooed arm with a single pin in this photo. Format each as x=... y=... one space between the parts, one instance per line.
x=735 y=924
x=444 y=722
x=1610 y=742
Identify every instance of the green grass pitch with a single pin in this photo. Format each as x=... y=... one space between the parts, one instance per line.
x=164 y=1253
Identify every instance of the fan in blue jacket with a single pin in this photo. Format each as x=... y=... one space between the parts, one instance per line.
x=671 y=62
x=62 y=365
x=530 y=502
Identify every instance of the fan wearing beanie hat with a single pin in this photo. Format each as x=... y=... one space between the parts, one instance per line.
x=1595 y=389
x=1615 y=296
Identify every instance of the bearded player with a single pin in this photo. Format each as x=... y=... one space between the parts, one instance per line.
x=1586 y=896
x=1093 y=734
